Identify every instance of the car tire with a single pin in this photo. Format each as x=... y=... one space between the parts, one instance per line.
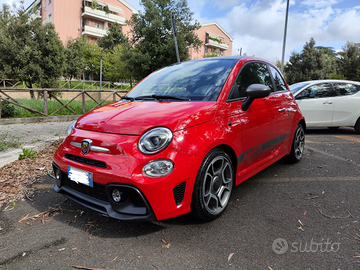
x=357 y=126
x=297 y=147
x=213 y=186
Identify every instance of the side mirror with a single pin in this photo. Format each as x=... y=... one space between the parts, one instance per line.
x=253 y=92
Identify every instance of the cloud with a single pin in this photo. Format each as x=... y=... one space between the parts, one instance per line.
x=221 y=4
x=258 y=28
x=320 y=3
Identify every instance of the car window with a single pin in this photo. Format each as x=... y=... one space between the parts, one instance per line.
x=200 y=80
x=317 y=91
x=344 y=89
x=251 y=73
x=297 y=86
x=278 y=80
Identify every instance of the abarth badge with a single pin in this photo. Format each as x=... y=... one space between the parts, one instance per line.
x=86 y=146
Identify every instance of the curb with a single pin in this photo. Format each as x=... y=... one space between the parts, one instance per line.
x=13 y=155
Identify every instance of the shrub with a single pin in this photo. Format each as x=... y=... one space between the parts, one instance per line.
x=7 y=109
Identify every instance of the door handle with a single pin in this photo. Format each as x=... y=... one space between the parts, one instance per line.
x=327 y=102
x=282 y=110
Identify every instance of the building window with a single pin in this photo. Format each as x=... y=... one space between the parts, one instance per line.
x=97 y=25
x=49 y=2
x=50 y=18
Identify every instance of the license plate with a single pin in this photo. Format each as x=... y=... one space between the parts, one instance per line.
x=80 y=176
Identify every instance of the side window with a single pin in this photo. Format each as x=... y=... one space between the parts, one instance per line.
x=317 y=91
x=278 y=80
x=344 y=89
x=253 y=72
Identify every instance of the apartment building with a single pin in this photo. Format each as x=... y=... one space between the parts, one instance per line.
x=215 y=41
x=90 y=18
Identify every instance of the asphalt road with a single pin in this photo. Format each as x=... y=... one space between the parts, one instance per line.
x=302 y=216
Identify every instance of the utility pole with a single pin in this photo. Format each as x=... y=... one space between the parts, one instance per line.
x=285 y=29
x=174 y=32
x=101 y=57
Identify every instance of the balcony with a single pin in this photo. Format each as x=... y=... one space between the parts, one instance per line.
x=213 y=40
x=93 y=31
x=104 y=16
x=216 y=44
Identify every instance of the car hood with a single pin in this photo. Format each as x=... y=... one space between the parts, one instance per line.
x=135 y=117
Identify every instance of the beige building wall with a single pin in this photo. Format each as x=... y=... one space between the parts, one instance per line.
x=215 y=40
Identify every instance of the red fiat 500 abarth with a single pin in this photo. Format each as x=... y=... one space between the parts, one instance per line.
x=181 y=140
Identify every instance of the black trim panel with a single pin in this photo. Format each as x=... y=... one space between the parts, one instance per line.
x=260 y=148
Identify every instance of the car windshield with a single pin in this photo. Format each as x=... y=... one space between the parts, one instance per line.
x=297 y=86
x=199 y=80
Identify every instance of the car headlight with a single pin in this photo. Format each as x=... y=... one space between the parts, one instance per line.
x=70 y=128
x=155 y=140
x=158 y=168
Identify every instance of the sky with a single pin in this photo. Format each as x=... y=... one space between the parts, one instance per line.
x=257 y=27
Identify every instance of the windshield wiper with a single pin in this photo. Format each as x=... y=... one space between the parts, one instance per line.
x=127 y=98
x=159 y=97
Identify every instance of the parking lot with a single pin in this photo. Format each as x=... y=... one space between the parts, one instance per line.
x=302 y=216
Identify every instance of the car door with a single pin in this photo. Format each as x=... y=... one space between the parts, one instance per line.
x=259 y=130
x=284 y=104
x=346 y=104
x=316 y=102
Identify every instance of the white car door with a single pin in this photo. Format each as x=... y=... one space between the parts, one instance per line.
x=316 y=102
x=347 y=104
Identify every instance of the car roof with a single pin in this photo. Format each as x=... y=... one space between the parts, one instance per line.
x=326 y=81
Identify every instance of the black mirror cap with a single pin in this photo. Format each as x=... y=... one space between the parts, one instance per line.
x=258 y=91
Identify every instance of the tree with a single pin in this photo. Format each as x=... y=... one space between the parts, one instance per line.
x=114 y=37
x=75 y=61
x=30 y=51
x=152 y=36
x=92 y=54
x=313 y=63
x=116 y=68
x=349 y=61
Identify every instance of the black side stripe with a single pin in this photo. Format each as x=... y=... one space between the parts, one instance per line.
x=260 y=148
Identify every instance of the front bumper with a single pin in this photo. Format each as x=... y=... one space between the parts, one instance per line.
x=98 y=198
x=145 y=198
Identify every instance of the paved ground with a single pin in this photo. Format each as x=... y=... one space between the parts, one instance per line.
x=302 y=216
x=31 y=135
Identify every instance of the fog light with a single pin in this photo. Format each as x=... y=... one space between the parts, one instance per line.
x=158 y=168
x=116 y=195
x=57 y=174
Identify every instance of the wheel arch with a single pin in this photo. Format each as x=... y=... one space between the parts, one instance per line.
x=231 y=153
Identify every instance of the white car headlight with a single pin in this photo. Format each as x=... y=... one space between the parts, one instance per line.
x=158 y=168
x=155 y=140
x=70 y=128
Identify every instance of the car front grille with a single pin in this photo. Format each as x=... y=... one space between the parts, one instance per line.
x=86 y=161
x=97 y=191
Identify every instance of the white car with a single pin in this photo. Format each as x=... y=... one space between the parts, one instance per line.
x=329 y=103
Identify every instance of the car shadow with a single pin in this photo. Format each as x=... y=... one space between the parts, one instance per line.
x=331 y=131
x=69 y=213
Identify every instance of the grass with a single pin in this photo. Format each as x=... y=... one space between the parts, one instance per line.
x=7 y=141
x=53 y=105
x=27 y=153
